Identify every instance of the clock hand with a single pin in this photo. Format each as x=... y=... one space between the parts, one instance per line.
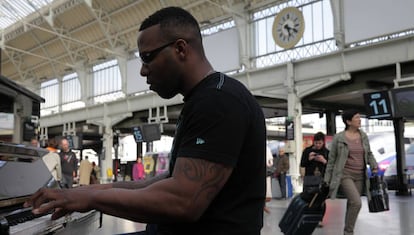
x=287 y=29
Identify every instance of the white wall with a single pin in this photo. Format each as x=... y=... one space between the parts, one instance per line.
x=373 y=18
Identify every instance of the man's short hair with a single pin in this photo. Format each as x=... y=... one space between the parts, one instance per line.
x=174 y=23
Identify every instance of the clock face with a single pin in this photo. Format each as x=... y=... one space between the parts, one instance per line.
x=288 y=27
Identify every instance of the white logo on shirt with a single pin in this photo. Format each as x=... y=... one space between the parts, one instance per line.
x=200 y=141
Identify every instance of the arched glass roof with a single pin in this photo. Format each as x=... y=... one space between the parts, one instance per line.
x=12 y=11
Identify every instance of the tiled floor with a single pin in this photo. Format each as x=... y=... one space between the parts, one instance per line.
x=398 y=221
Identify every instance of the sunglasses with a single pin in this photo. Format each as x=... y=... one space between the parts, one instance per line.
x=147 y=57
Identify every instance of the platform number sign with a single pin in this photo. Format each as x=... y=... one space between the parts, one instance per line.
x=378 y=105
x=137 y=132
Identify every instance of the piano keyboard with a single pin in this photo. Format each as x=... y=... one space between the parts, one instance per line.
x=22 y=172
x=44 y=225
x=40 y=225
x=20 y=216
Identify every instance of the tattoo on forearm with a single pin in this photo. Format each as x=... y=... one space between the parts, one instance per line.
x=139 y=184
x=209 y=174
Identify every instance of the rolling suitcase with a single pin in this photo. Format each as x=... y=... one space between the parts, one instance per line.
x=304 y=213
x=379 y=196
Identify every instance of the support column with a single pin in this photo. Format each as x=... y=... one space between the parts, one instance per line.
x=108 y=135
x=84 y=80
x=122 y=59
x=294 y=147
x=18 y=123
x=60 y=79
x=106 y=161
x=402 y=183
x=139 y=149
x=330 y=123
x=243 y=27
x=43 y=136
x=338 y=19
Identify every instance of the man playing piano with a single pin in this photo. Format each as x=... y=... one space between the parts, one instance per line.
x=216 y=180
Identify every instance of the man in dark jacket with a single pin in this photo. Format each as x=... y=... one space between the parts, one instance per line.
x=69 y=164
x=282 y=167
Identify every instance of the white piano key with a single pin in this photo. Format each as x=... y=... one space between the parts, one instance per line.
x=44 y=224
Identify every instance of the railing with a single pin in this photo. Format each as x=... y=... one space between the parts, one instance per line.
x=300 y=52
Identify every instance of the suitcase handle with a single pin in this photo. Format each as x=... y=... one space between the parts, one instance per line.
x=313 y=200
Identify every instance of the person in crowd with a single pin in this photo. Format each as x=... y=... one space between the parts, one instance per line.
x=346 y=169
x=138 y=170
x=34 y=142
x=95 y=174
x=314 y=160
x=51 y=145
x=270 y=172
x=85 y=171
x=282 y=167
x=52 y=160
x=315 y=157
x=69 y=164
x=216 y=183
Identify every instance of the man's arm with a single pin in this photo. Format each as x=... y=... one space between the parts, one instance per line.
x=127 y=184
x=141 y=183
x=304 y=161
x=182 y=197
x=74 y=165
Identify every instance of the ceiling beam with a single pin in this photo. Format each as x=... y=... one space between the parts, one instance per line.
x=46 y=52
x=104 y=22
x=74 y=39
x=50 y=60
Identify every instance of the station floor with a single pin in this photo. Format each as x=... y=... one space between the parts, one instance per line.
x=399 y=220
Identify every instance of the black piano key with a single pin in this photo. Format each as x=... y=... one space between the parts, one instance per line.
x=4 y=226
x=20 y=216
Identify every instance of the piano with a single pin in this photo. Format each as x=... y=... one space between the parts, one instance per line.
x=23 y=172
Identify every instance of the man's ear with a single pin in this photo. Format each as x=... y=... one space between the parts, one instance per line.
x=181 y=48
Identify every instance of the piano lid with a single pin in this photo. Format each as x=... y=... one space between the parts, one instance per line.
x=22 y=171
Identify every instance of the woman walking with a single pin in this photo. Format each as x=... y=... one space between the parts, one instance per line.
x=346 y=168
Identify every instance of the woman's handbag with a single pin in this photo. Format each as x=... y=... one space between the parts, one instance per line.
x=379 y=196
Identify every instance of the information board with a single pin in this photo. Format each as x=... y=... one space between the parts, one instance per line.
x=147 y=132
x=290 y=129
x=137 y=133
x=378 y=105
x=403 y=100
